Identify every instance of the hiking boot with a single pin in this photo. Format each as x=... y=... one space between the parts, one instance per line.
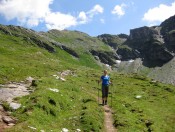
x=103 y=103
x=106 y=102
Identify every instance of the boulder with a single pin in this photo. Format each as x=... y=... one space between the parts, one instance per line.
x=8 y=119
x=31 y=81
x=15 y=106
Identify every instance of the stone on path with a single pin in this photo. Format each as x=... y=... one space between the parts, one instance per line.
x=12 y=86
x=15 y=106
x=8 y=119
x=11 y=124
x=7 y=94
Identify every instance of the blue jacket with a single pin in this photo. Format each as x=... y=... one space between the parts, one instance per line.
x=105 y=80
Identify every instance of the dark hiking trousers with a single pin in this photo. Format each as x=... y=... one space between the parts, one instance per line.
x=105 y=89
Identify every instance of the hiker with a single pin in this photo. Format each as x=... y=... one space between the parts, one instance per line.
x=105 y=79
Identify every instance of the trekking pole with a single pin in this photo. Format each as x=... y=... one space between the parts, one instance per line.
x=98 y=93
x=111 y=93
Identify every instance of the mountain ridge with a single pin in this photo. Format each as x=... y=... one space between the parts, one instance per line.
x=153 y=45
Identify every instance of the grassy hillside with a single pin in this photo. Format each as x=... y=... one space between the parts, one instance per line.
x=74 y=106
x=46 y=110
x=77 y=40
x=141 y=104
x=20 y=59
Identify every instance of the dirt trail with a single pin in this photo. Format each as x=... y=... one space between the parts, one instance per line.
x=108 y=119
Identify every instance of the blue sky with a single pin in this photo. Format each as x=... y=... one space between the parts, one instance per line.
x=93 y=17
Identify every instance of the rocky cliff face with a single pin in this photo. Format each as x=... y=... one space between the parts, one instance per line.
x=155 y=45
x=143 y=32
x=150 y=45
x=105 y=57
x=113 y=40
x=168 y=32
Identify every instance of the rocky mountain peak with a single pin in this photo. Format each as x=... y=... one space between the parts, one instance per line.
x=143 y=32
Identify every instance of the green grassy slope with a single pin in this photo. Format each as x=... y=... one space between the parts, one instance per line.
x=72 y=105
x=154 y=111
x=20 y=59
x=75 y=105
x=79 y=41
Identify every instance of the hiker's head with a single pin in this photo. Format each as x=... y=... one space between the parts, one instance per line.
x=105 y=72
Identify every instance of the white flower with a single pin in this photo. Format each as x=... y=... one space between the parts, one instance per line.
x=57 y=77
x=64 y=130
x=32 y=127
x=54 y=90
x=138 y=96
x=78 y=130
x=63 y=79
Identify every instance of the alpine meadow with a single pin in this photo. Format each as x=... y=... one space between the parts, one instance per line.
x=49 y=80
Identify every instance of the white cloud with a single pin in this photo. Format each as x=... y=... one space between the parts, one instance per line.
x=82 y=17
x=62 y=21
x=119 y=10
x=28 y=12
x=32 y=22
x=59 y=21
x=160 y=13
x=96 y=9
x=33 y=12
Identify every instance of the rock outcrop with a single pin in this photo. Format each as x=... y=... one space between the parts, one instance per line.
x=155 y=45
x=113 y=40
x=168 y=32
x=70 y=51
x=28 y=35
x=105 y=57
